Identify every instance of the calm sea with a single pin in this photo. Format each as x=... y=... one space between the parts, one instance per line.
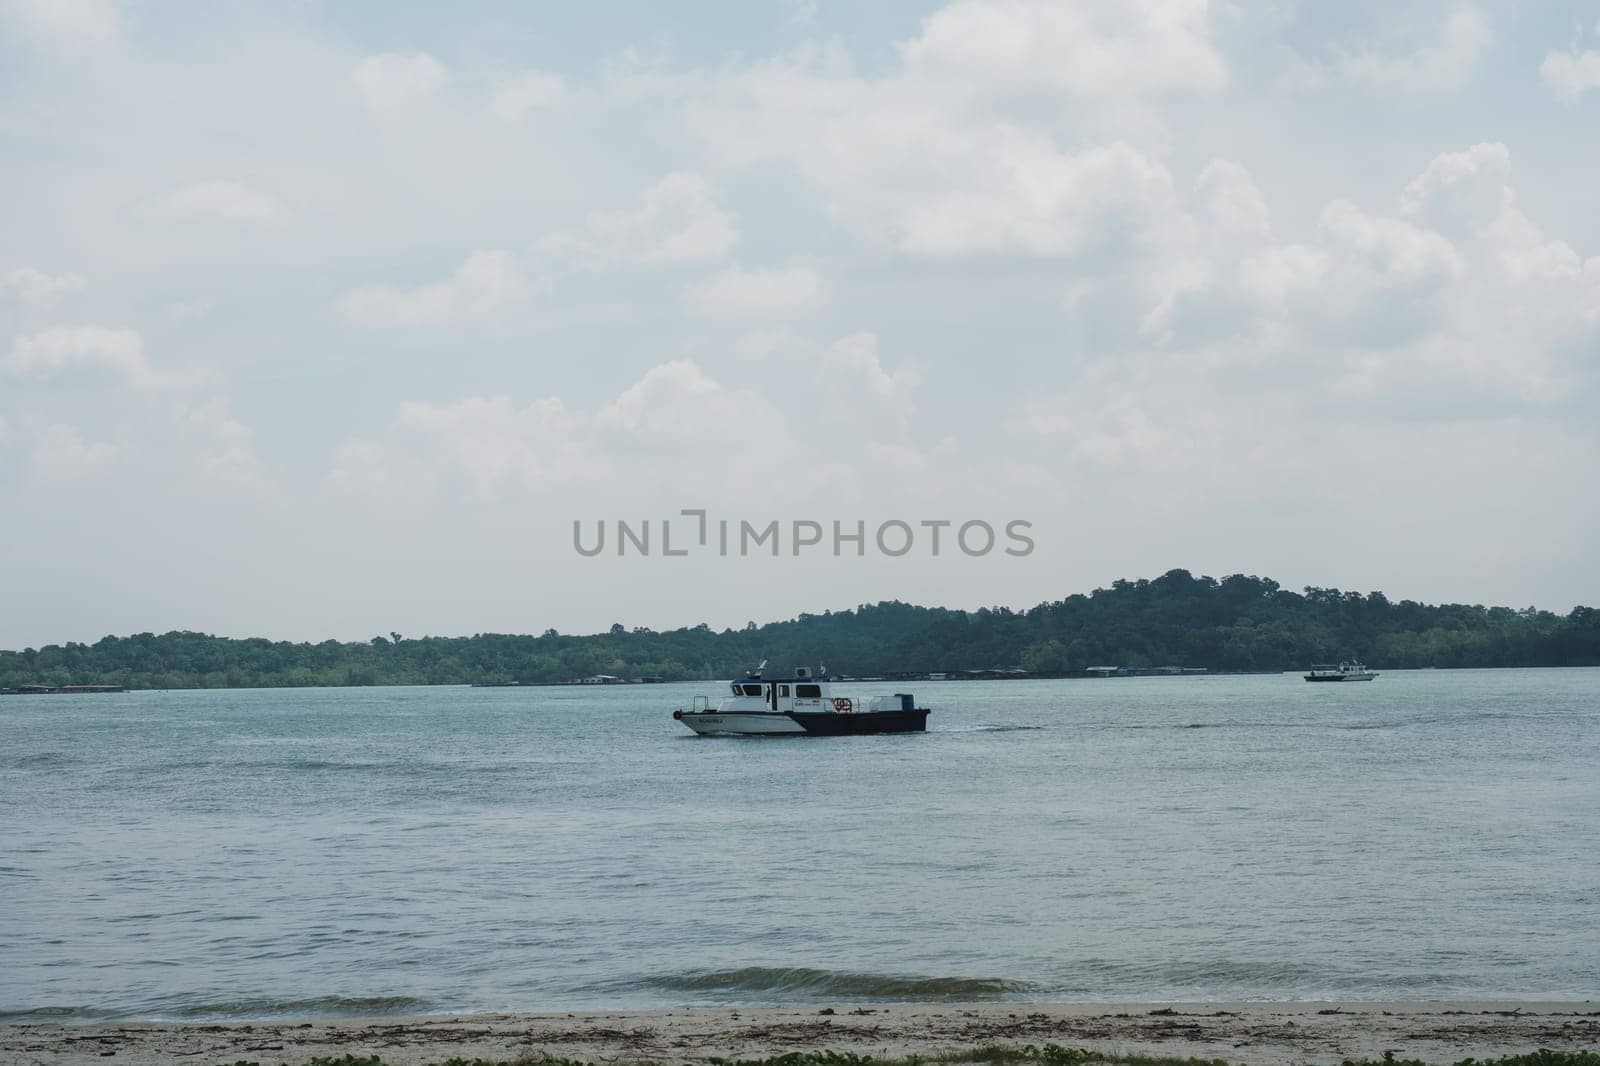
x=1433 y=834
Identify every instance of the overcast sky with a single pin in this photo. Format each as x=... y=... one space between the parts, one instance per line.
x=328 y=320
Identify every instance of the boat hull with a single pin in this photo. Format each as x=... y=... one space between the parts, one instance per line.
x=802 y=723
x=1345 y=677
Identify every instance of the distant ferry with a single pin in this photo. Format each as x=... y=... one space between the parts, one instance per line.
x=1351 y=671
x=798 y=706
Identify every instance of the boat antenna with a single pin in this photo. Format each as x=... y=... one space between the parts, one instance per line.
x=755 y=675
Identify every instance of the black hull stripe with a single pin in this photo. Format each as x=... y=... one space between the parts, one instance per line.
x=835 y=724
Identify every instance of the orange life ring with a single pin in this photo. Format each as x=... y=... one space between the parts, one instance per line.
x=842 y=703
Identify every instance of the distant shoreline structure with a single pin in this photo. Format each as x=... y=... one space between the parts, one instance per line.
x=59 y=690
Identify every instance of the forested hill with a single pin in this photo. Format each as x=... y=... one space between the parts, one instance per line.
x=1237 y=623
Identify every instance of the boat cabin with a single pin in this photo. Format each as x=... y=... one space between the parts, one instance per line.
x=803 y=692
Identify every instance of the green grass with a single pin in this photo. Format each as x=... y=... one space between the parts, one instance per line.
x=1048 y=1055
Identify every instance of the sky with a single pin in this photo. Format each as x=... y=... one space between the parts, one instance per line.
x=332 y=320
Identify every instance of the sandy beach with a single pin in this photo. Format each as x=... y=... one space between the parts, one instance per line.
x=1242 y=1033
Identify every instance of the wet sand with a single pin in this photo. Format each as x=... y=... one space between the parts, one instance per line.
x=1243 y=1033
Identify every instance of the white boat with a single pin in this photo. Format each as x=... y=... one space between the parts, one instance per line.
x=1350 y=671
x=798 y=706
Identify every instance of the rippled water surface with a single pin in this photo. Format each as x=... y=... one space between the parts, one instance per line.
x=195 y=854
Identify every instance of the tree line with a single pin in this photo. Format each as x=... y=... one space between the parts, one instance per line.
x=1238 y=623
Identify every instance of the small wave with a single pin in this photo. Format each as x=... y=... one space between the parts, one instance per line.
x=994 y=729
x=237 y=1010
x=803 y=981
x=42 y=760
x=296 y=765
x=42 y=1014
x=1229 y=978
x=318 y=1006
x=1274 y=726
x=237 y=766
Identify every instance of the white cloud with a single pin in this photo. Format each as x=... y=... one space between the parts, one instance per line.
x=219 y=200
x=1572 y=73
x=61 y=453
x=490 y=441
x=873 y=401
x=1460 y=192
x=1028 y=196
x=1228 y=203
x=530 y=90
x=64 y=348
x=1469 y=197
x=36 y=288
x=1006 y=128
x=1384 y=282
x=226 y=446
x=1458 y=303
x=391 y=81
x=659 y=406
x=488 y=281
x=763 y=343
x=799 y=14
x=1095 y=49
x=676 y=413
x=362 y=467
x=1116 y=429
x=1439 y=66
x=92 y=21
x=483 y=441
x=767 y=293
x=1277 y=275
x=1389 y=247
x=679 y=220
x=1186 y=254
x=852 y=363
x=492 y=446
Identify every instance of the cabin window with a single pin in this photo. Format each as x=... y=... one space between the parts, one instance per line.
x=752 y=690
x=808 y=691
x=783 y=690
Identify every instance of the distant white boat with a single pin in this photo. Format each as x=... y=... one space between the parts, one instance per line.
x=1350 y=671
x=799 y=705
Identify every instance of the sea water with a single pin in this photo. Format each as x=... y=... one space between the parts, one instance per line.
x=1431 y=834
